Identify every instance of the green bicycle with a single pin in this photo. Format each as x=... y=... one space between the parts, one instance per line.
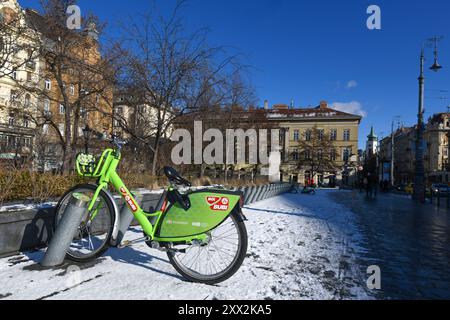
x=203 y=231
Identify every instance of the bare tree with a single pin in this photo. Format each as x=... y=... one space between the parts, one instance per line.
x=74 y=77
x=169 y=72
x=317 y=152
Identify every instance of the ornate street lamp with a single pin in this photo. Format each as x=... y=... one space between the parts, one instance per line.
x=419 y=174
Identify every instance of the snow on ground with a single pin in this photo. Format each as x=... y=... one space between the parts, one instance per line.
x=23 y=207
x=300 y=247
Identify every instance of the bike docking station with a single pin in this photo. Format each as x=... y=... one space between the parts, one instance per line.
x=66 y=230
x=126 y=218
x=68 y=227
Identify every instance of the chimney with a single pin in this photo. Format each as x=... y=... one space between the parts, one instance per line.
x=266 y=105
x=323 y=105
x=281 y=107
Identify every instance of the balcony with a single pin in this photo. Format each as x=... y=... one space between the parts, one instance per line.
x=18 y=130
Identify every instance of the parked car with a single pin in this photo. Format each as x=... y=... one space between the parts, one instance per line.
x=439 y=188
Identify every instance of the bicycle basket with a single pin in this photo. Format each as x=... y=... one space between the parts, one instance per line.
x=86 y=165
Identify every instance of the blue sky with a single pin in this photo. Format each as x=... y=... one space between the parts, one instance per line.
x=321 y=50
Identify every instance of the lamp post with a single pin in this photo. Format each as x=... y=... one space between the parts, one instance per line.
x=419 y=171
x=87 y=135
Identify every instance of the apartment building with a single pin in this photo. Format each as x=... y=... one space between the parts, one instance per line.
x=33 y=122
x=436 y=152
x=297 y=124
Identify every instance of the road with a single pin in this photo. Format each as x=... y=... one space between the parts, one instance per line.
x=409 y=242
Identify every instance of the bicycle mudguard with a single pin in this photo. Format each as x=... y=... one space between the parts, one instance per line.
x=209 y=208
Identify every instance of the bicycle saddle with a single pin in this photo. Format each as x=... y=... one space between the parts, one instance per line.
x=175 y=177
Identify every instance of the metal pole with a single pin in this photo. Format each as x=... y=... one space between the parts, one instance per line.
x=66 y=231
x=419 y=179
x=126 y=217
x=392 y=154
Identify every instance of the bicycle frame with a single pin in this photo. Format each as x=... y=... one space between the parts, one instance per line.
x=107 y=175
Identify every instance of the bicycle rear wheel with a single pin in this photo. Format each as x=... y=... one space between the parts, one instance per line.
x=218 y=258
x=95 y=230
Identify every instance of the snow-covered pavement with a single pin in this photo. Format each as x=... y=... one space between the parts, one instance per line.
x=300 y=247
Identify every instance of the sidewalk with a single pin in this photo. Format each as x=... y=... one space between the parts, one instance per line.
x=300 y=247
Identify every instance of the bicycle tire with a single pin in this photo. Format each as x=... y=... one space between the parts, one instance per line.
x=231 y=270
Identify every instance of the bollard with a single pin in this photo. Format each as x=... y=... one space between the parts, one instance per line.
x=126 y=217
x=266 y=192
x=66 y=230
x=271 y=190
x=255 y=194
x=246 y=194
x=258 y=196
x=262 y=193
x=248 y=199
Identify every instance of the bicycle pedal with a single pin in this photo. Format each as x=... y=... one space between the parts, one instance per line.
x=128 y=243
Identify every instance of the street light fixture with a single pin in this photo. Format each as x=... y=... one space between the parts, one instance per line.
x=436 y=66
x=419 y=179
x=87 y=136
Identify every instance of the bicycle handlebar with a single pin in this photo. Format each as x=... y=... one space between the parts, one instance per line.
x=114 y=139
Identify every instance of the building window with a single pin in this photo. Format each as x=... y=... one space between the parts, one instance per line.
x=61 y=129
x=347 y=135
x=346 y=154
x=333 y=134
x=13 y=96
x=62 y=109
x=307 y=154
x=321 y=134
x=333 y=155
x=11 y=121
x=26 y=122
x=48 y=85
x=319 y=154
x=46 y=105
x=295 y=155
x=14 y=75
x=27 y=142
x=72 y=89
x=27 y=100
x=296 y=135
x=308 y=135
x=29 y=76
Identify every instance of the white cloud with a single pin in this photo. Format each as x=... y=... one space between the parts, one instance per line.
x=353 y=107
x=352 y=84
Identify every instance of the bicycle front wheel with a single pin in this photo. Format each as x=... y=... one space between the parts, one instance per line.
x=95 y=230
x=215 y=260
